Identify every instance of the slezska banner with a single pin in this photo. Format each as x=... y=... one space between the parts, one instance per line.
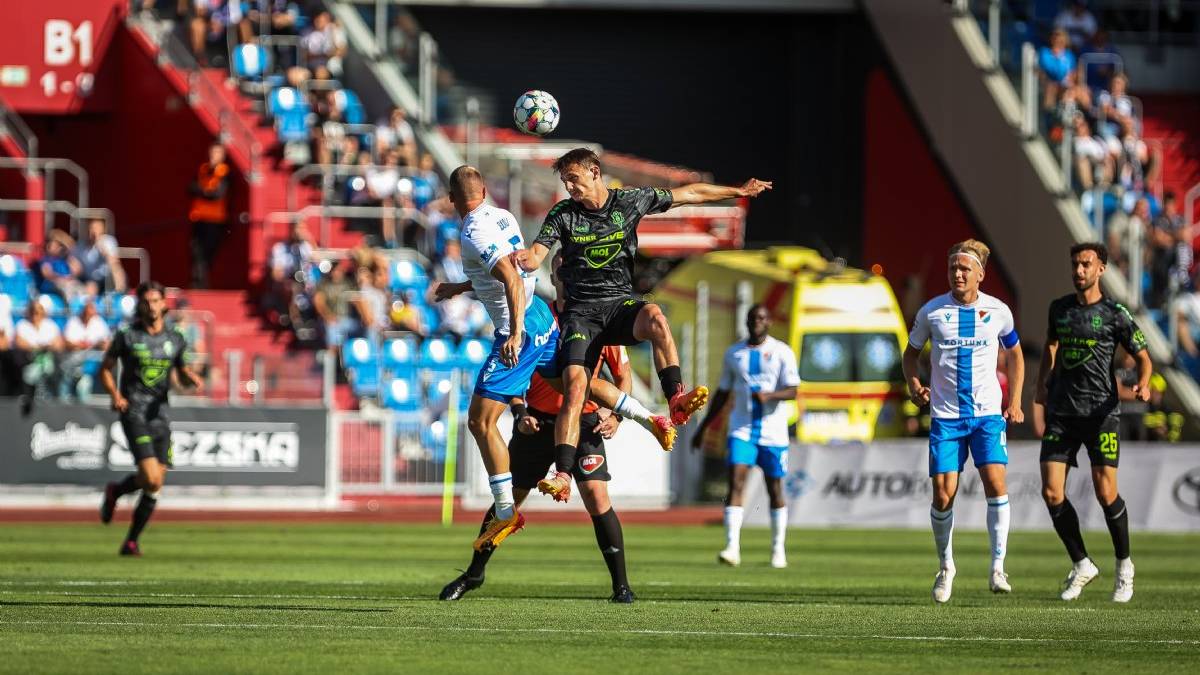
x=886 y=484
x=84 y=445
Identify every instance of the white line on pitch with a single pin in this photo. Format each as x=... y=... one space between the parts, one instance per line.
x=629 y=631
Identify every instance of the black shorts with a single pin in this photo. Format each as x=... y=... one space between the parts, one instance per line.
x=148 y=437
x=586 y=329
x=1100 y=435
x=530 y=455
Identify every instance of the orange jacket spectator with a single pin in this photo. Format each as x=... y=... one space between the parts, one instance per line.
x=208 y=202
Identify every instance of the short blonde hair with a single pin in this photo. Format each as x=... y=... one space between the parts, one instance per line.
x=972 y=247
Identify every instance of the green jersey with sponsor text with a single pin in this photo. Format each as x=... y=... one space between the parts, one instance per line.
x=146 y=363
x=599 y=247
x=1083 y=383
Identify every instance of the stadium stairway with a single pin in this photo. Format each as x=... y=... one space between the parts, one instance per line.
x=972 y=116
x=1175 y=120
x=238 y=325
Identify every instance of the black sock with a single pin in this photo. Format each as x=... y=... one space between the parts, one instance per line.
x=612 y=546
x=671 y=380
x=129 y=484
x=141 y=516
x=564 y=457
x=1117 y=518
x=479 y=559
x=1066 y=524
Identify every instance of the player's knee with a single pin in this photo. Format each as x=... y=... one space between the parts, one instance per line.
x=1052 y=495
x=658 y=323
x=477 y=426
x=942 y=499
x=152 y=484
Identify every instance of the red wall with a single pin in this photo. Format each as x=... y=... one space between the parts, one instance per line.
x=140 y=157
x=911 y=213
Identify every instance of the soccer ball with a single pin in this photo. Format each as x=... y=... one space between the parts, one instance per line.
x=536 y=113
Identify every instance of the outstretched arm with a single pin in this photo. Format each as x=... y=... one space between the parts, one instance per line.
x=700 y=193
x=529 y=259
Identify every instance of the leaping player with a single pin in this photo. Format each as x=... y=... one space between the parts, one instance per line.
x=526 y=341
x=967 y=329
x=597 y=228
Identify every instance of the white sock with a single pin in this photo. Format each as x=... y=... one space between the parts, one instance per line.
x=502 y=492
x=733 y=527
x=1124 y=565
x=778 y=528
x=630 y=407
x=943 y=528
x=998 y=514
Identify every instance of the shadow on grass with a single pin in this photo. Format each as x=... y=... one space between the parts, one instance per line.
x=191 y=605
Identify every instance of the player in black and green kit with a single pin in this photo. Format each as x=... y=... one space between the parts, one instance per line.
x=597 y=228
x=1077 y=386
x=148 y=351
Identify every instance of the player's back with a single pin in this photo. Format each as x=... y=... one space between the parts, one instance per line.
x=490 y=233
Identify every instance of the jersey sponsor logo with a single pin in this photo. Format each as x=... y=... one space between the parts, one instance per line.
x=618 y=218
x=575 y=336
x=1073 y=357
x=965 y=342
x=661 y=193
x=489 y=253
x=599 y=255
x=581 y=227
x=589 y=463
x=504 y=224
x=1139 y=339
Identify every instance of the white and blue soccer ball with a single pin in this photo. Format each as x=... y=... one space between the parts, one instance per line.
x=536 y=113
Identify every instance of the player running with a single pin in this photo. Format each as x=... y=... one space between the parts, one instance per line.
x=148 y=351
x=761 y=372
x=597 y=228
x=526 y=339
x=967 y=328
x=1077 y=385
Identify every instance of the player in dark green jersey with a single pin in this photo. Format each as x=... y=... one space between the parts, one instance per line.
x=1077 y=386
x=597 y=228
x=148 y=351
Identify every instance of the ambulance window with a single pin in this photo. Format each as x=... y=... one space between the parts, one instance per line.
x=827 y=357
x=878 y=357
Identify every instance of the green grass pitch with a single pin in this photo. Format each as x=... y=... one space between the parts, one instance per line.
x=349 y=598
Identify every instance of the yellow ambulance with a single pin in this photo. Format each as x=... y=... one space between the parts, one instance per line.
x=844 y=325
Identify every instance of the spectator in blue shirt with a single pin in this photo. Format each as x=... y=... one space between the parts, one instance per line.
x=1056 y=62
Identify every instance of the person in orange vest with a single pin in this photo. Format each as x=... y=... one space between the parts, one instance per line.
x=208 y=214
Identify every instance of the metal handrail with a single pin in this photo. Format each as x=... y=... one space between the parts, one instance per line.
x=326 y=212
x=60 y=206
x=52 y=164
x=329 y=170
x=139 y=254
x=10 y=120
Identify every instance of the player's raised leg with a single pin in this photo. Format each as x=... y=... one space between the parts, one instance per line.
x=1066 y=524
x=473 y=576
x=651 y=324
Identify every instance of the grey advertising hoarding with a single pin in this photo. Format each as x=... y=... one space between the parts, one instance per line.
x=886 y=484
x=85 y=445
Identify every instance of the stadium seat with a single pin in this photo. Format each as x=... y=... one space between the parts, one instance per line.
x=400 y=358
x=361 y=361
x=290 y=111
x=473 y=352
x=401 y=394
x=15 y=282
x=251 y=67
x=408 y=275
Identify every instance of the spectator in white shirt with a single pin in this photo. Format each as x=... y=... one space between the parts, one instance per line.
x=1079 y=24
x=98 y=256
x=396 y=133
x=325 y=44
x=86 y=337
x=39 y=344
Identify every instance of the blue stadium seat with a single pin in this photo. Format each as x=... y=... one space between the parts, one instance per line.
x=408 y=275
x=290 y=110
x=251 y=62
x=438 y=355
x=15 y=281
x=360 y=357
x=400 y=358
x=350 y=106
x=401 y=394
x=473 y=352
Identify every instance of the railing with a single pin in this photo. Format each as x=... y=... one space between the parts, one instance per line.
x=48 y=167
x=74 y=213
x=202 y=93
x=12 y=125
x=327 y=212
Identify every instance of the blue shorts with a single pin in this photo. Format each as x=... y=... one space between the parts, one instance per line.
x=500 y=382
x=772 y=460
x=949 y=440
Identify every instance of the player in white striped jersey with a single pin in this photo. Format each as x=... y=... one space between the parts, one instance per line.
x=761 y=374
x=967 y=328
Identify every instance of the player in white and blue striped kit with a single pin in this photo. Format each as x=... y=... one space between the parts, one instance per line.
x=966 y=329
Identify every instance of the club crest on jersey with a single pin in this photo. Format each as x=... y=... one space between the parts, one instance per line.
x=590 y=463
x=984 y=316
x=618 y=218
x=1097 y=322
